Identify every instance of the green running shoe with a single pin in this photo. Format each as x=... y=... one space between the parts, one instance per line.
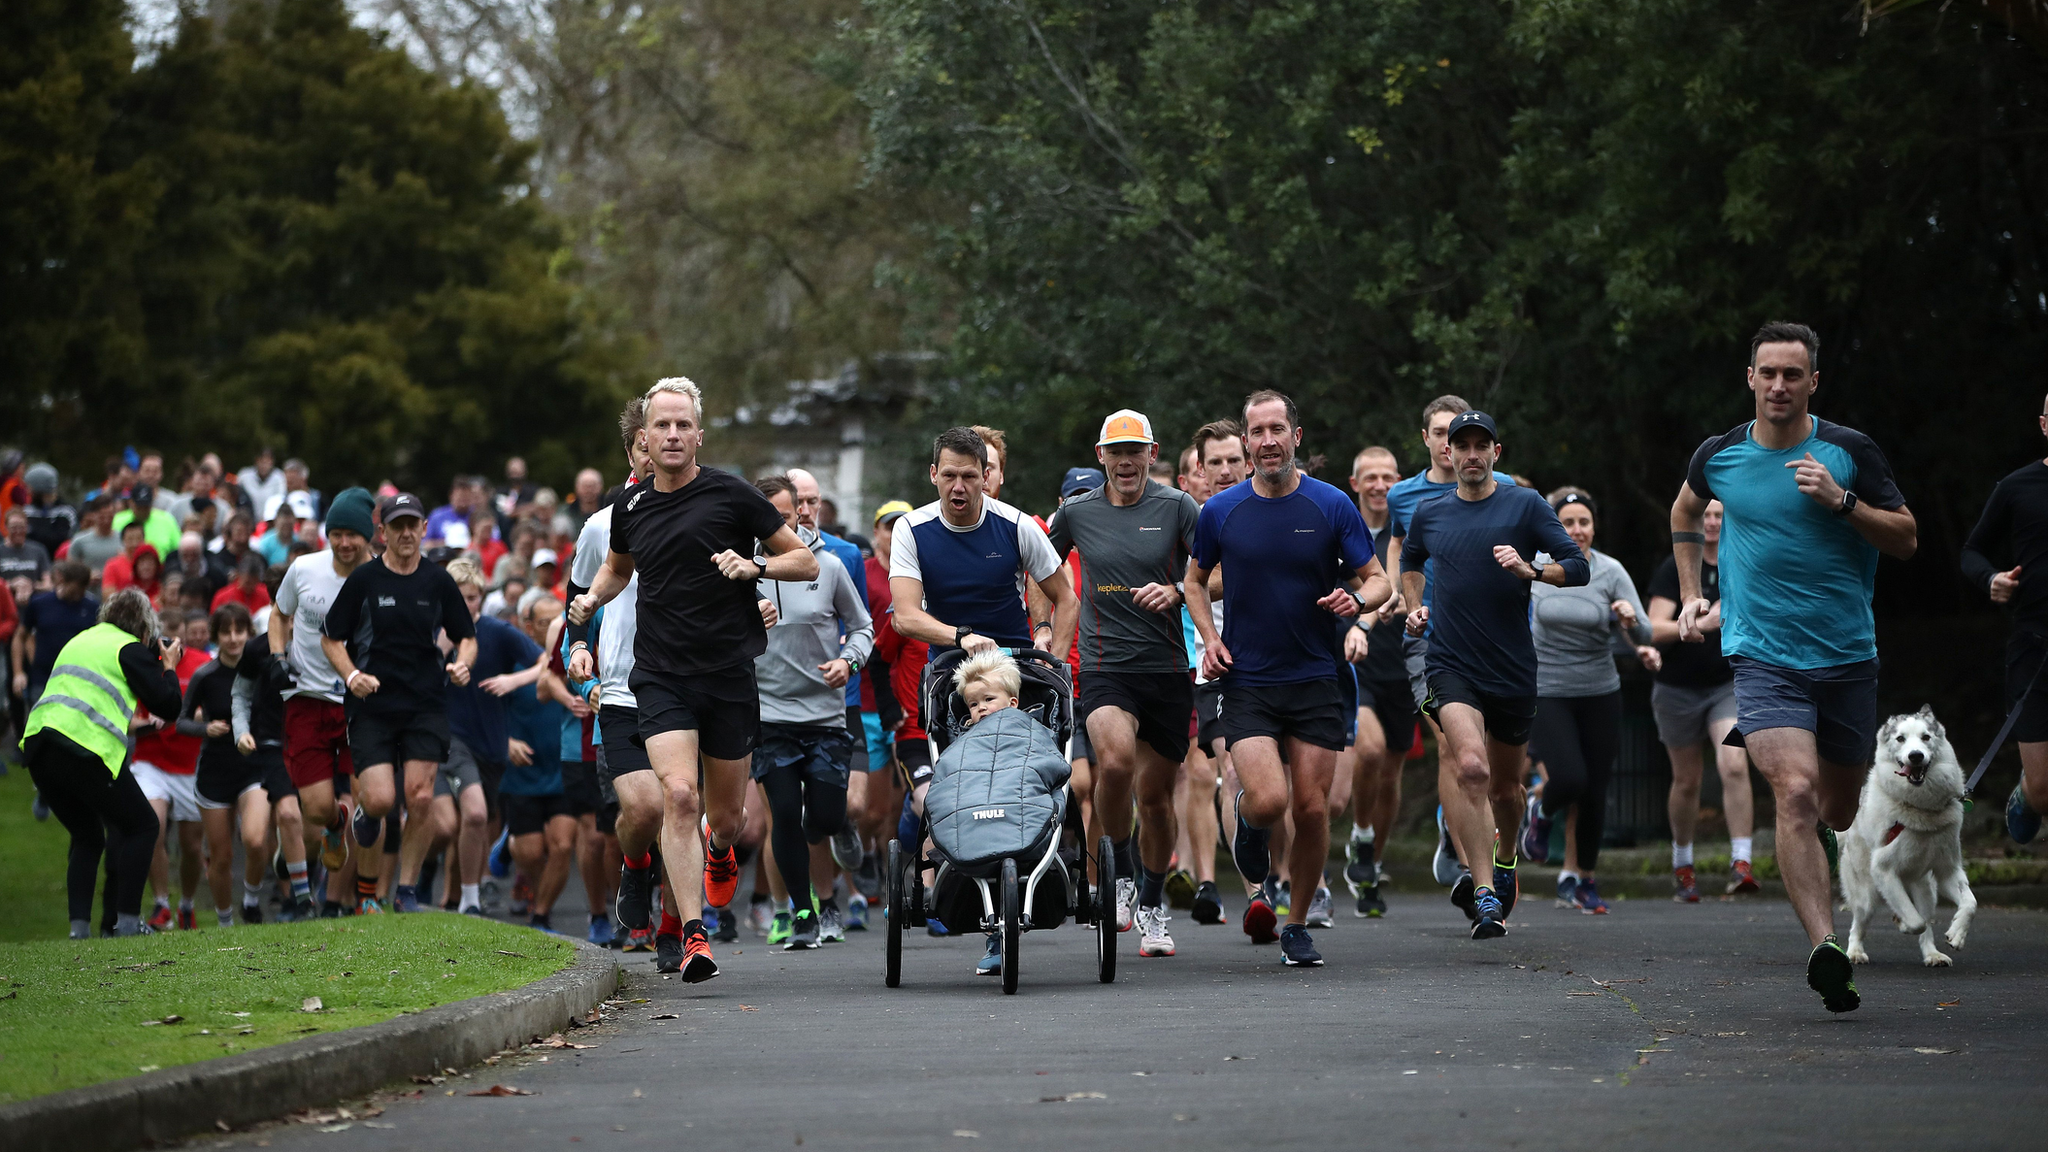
x=1829 y=973
x=1833 y=849
x=779 y=931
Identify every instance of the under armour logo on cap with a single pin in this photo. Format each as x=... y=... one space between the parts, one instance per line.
x=1125 y=426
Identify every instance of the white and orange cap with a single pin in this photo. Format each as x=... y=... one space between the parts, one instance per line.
x=1125 y=426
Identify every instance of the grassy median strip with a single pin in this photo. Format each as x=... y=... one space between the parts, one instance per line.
x=82 y=1012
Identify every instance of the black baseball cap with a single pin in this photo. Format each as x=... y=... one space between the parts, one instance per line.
x=403 y=504
x=1472 y=418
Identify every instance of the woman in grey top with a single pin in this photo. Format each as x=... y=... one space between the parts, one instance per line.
x=1578 y=699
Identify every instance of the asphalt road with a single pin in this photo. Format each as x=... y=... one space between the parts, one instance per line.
x=1658 y=1026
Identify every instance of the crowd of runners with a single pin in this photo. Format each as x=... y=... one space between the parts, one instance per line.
x=693 y=682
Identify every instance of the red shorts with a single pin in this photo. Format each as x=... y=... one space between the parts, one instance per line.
x=315 y=741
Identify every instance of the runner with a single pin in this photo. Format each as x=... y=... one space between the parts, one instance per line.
x=1402 y=500
x=690 y=531
x=957 y=572
x=316 y=751
x=479 y=751
x=1810 y=505
x=1132 y=536
x=1694 y=702
x=846 y=851
x=166 y=765
x=1293 y=545
x=388 y=615
x=1578 y=700
x=804 y=761
x=1195 y=795
x=256 y=707
x=1482 y=659
x=1220 y=447
x=541 y=813
x=2013 y=530
x=1386 y=709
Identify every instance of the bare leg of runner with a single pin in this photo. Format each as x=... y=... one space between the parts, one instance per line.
x=1807 y=790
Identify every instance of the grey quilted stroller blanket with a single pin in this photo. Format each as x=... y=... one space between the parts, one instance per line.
x=995 y=792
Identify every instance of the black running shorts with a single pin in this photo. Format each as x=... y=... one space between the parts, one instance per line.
x=722 y=708
x=1314 y=712
x=395 y=737
x=1161 y=702
x=618 y=725
x=1394 y=705
x=1507 y=718
x=1209 y=712
x=2024 y=652
x=525 y=815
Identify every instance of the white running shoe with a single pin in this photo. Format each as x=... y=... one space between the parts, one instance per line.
x=831 y=927
x=1319 y=911
x=1155 y=941
x=1126 y=900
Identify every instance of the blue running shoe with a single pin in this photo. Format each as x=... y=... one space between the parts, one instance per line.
x=991 y=963
x=856 y=913
x=1248 y=848
x=2022 y=823
x=1567 y=891
x=1445 y=865
x=1536 y=833
x=600 y=931
x=1491 y=923
x=710 y=919
x=501 y=854
x=1588 y=899
x=1297 y=950
x=405 y=898
x=1505 y=887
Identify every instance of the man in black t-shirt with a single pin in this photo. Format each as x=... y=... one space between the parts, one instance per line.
x=2006 y=555
x=1694 y=701
x=689 y=533
x=381 y=636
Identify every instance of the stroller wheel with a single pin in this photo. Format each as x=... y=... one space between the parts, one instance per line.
x=1105 y=917
x=893 y=975
x=1013 y=915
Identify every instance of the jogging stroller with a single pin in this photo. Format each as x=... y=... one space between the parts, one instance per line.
x=995 y=812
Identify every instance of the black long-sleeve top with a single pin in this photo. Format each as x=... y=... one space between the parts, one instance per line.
x=155 y=686
x=2014 y=531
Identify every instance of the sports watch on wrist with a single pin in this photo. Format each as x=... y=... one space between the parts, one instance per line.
x=960 y=635
x=1848 y=504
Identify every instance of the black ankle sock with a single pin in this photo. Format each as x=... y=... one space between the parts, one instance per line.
x=1151 y=889
x=1126 y=861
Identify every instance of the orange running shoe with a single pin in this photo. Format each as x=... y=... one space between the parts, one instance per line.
x=721 y=877
x=162 y=919
x=698 y=966
x=1743 y=880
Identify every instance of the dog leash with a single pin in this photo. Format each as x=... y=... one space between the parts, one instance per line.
x=1998 y=741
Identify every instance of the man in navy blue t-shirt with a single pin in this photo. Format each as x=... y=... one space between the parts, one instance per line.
x=1293 y=545
x=1808 y=505
x=1468 y=561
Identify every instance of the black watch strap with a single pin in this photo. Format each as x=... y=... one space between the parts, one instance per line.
x=1848 y=504
x=960 y=635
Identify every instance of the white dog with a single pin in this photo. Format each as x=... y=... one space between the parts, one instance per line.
x=1907 y=843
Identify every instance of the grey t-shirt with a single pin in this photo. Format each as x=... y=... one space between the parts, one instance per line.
x=94 y=550
x=1123 y=549
x=28 y=559
x=1576 y=630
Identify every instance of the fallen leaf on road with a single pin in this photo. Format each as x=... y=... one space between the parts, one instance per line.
x=970 y=1133
x=310 y=1004
x=748 y=1008
x=1948 y=1003
x=1582 y=993
x=1935 y=1051
x=429 y=1079
x=337 y=1128
x=664 y=1016
x=503 y=1090
x=1072 y=1096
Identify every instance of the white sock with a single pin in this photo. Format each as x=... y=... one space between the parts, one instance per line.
x=185 y=905
x=1563 y=875
x=1681 y=855
x=252 y=893
x=227 y=919
x=1361 y=835
x=1738 y=847
x=163 y=901
x=472 y=896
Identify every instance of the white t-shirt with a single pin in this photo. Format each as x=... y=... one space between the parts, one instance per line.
x=615 y=632
x=305 y=594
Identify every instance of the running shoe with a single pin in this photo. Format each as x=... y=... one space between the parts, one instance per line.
x=369 y=906
x=1445 y=864
x=1126 y=902
x=637 y=939
x=1208 y=904
x=542 y=923
x=522 y=896
x=846 y=849
x=1742 y=879
x=1829 y=973
x=1153 y=939
x=803 y=931
x=300 y=910
x=721 y=874
x=188 y=920
x=1464 y=896
x=405 y=898
x=1370 y=903
x=600 y=932
x=1491 y=922
x=1180 y=889
x=1832 y=847
x=1358 y=867
x=1688 y=887
x=1506 y=887
x=867 y=879
x=334 y=849
x=1283 y=902
x=252 y=913
x=1248 y=849
x=831 y=926
x=991 y=963
x=1567 y=891
x=1259 y=919
x=778 y=932
x=1588 y=899
x=1297 y=950
x=2022 y=823
x=760 y=915
x=1536 y=832
x=635 y=902
x=856 y=912
x=475 y=910
x=1320 y=912
x=668 y=953
x=332 y=910
x=728 y=926
x=162 y=919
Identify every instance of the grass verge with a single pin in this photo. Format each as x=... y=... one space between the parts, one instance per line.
x=31 y=869
x=80 y=1012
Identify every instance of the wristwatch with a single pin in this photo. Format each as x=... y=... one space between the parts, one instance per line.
x=1358 y=600
x=1538 y=564
x=763 y=566
x=1848 y=502
x=960 y=635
